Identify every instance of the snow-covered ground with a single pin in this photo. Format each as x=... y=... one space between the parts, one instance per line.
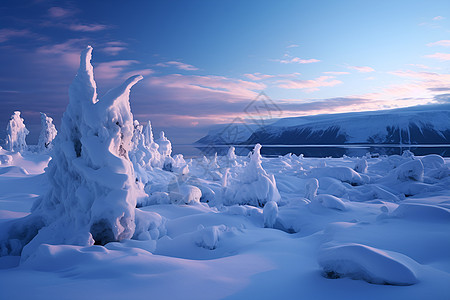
x=388 y=227
x=104 y=211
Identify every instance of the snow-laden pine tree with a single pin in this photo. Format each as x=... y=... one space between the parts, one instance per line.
x=48 y=133
x=16 y=133
x=93 y=190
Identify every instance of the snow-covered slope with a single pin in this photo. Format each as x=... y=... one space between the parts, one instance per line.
x=427 y=124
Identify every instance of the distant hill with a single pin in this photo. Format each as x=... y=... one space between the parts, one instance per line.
x=426 y=124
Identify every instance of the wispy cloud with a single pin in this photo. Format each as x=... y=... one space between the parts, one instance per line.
x=67 y=52
x=112 y=69
x=8 y=33
x=439 y=56
x=438 y=18
x=310 y=85
x=361 y=69
x=178 y=65
x=259 y=76
x=420 y=66
x=232 y=89
x=336 y=73
x=292 y=46
x=59 y=12
x=297 y=60
x=443 y=43
x=87 y=27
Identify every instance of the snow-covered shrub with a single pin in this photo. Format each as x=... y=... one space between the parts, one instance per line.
x=93 y=193
x=16 y=133
x=208 y=237
x=48 y=133
x=253 y=186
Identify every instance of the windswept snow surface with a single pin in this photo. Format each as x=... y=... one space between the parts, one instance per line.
x=390 y=242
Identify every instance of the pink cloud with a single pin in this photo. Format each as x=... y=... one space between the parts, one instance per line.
x=178 y=65
x=438 y=18
x=443 y=43
x=361 y=69
x=113 y=50
x=310 y=85
x=439 y=56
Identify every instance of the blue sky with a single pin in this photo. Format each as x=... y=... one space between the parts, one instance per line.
x=204 y=61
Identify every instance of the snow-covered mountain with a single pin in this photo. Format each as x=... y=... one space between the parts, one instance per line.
x=426 y=124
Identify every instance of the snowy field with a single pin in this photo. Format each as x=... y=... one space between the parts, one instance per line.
x=105 y=211
x=388 y=227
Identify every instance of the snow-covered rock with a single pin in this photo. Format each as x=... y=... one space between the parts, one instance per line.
x=48 y=133
x=16 y=133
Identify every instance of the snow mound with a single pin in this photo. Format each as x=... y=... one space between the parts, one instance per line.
x=253 y=186
x=330 y=201
x=411 y=170
x=16 y=133
x=185 y=194
x=432 y=161
x=422 y=212
x=344 y=174
x=373 y=265
x=13 y=170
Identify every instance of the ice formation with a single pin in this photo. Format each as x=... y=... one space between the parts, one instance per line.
x=16 y=133
x=48 y=133
x=93 y=192
x=253 y=186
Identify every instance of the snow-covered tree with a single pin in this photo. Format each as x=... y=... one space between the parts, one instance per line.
x=254 y=186
x=93 y=193
x=16 y=133
x=48 y=133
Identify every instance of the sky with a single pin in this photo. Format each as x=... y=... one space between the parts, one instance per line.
x=205 y=62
